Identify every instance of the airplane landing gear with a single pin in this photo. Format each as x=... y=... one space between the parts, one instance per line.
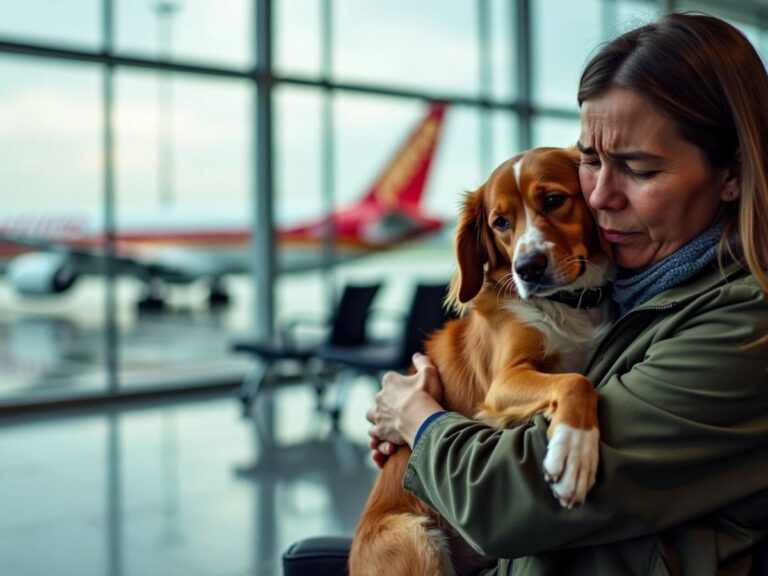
x=153 y=301
x=218 y=296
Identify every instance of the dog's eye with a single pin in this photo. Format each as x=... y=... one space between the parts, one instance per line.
x=554 y=202
x=501 y=223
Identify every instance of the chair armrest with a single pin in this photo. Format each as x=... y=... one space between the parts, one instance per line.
x=289 y=328
x=321 y=556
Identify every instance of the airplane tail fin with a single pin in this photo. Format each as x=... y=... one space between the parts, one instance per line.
x=389 y=212
x=401 y=184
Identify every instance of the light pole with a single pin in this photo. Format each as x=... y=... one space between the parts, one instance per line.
x=165 y=10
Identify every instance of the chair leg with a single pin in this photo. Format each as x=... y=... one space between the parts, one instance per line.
x=314 y=378
x=341 y=393
x=251 y=386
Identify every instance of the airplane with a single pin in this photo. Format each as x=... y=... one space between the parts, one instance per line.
x=45 y=255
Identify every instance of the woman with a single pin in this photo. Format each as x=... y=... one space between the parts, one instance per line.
x=674 y=149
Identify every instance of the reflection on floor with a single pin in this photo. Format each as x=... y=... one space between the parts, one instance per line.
x=58 y=356
x=56 y=347
x=186 y=489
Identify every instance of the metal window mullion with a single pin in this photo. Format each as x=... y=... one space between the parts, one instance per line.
x=523 y=23
x=328 y=151
x=263 y=241
x=108 y=167
x=485 y=88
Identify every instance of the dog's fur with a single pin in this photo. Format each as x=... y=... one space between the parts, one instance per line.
x=522 y=236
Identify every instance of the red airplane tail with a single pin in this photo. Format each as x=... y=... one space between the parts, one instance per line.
x=389 y=212
x=402 y=182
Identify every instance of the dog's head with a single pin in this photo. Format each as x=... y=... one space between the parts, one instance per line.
x=529 y=223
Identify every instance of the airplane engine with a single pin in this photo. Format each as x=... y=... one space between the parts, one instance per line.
x=41 y=273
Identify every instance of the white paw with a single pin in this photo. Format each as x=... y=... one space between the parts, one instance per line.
x=570 y=465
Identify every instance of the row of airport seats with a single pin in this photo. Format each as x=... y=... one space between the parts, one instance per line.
x=346 y=349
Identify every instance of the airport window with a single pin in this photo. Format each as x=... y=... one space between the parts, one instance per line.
x=563 y=35
x=74 y=23
x=549 y=131
x=217 y=33
x=182 y=194
x=425 y=45
x=298 y=37
x=183 y=147
x=503 y=67
x=161 y=129
x=50 y=182
x=299 y=170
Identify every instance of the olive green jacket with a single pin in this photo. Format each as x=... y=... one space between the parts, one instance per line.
x=682 y=486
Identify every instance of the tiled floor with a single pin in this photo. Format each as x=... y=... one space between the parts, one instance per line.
x=183 y=489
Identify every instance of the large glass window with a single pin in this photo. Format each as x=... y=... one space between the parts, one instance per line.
x=183 y=180
x=563 y=34
x=426 y=45
x=298 y=36
x=51 y=345
x=74 y=23
x=548 y=131
x=216 y=33
x=503 y=50
x=183 y=210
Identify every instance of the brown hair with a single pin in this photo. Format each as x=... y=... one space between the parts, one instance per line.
x=705 y=75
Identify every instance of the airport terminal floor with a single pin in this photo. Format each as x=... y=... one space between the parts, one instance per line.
x=188 y=488
x=186 y=485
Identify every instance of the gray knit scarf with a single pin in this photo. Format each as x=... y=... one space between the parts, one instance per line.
x=631 y=289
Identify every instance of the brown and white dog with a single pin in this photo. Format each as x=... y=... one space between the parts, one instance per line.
x=531 y=271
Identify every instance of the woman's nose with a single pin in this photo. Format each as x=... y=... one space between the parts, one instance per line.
x=606 y=194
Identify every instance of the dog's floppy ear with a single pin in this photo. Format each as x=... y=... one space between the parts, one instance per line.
x=473 y=248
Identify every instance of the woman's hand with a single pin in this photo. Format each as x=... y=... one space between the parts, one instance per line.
x=402 y=405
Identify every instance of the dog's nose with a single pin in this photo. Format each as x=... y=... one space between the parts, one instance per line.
x=531 y=266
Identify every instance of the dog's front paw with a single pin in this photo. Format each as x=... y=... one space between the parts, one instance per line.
x=570 y=465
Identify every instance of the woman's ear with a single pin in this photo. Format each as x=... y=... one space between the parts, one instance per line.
x=731 y=189
x=471 y=248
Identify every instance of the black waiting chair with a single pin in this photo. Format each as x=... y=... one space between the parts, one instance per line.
x=321 y=556
x=346 y=327
x=425 y=314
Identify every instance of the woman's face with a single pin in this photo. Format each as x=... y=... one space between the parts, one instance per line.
x=652 y=191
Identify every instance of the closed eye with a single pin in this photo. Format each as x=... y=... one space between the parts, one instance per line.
x=642 y=174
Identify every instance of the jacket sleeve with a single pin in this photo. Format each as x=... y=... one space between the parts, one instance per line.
x=684 y=433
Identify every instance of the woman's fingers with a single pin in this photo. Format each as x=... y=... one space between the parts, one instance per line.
x=421 y=361
x=378 y=458
x=381 y=450
x=428 y=376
